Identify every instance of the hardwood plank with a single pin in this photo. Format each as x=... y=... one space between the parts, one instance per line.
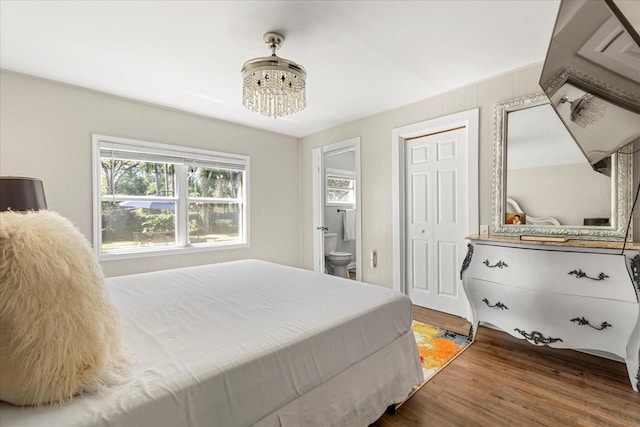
x=502 y=380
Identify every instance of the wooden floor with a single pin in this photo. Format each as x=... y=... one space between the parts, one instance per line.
x=503 y=381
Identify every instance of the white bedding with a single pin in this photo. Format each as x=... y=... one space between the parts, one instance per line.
x=246 y=342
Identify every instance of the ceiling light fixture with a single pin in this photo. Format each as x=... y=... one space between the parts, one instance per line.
x=273 y=86
x=586 y=110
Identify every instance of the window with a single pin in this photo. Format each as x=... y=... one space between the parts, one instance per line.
x=340 y=187
x=152 y=197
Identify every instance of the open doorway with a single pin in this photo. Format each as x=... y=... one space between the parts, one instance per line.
x=337 y=209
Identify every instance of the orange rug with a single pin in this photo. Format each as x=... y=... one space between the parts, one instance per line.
x=437 y=347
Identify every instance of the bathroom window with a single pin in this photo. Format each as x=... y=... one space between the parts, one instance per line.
x=152 y=198
x=340 y=187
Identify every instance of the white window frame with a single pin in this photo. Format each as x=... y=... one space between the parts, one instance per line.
x=190 y=156
x=343 y=174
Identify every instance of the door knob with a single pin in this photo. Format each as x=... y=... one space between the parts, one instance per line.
x=323 y=228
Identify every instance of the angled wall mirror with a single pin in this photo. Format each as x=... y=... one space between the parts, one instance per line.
x=591 y=74
x=542 y=183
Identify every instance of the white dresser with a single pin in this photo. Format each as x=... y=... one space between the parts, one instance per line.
x=579 y=294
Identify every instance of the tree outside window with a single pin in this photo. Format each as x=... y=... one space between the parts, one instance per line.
x=153 y=199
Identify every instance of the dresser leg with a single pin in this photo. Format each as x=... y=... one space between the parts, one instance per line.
x=633 y=367
x=473 y=331
x=634 y=374
x=633 y=358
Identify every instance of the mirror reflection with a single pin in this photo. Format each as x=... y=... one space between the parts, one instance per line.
x=592 y=75
x=545 y=168
x=544 y=185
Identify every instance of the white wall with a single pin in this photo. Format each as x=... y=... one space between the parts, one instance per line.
x=45 y=132
x=375 y=149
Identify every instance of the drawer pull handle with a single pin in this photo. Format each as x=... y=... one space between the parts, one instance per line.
x=583 y=321
x=537 y=337
x=500 y=264
x=496 y=305
x=580 y=274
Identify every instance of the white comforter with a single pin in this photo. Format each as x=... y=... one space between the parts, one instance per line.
x=227 y=344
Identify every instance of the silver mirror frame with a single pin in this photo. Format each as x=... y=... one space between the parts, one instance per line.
x=621 y=185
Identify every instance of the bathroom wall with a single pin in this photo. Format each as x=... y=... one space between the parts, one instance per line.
x=332 y=218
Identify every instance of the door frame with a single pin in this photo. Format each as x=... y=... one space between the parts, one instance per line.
x=470 y=119
x=317 y=160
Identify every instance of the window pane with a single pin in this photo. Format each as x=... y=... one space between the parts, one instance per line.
x=340 y=195
x=217 y=183
x=333 y=182
x=142 y=197
x=215 y=223
x=132 y=227
x=126 y=177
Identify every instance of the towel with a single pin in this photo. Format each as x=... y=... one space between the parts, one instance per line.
x=349 y=224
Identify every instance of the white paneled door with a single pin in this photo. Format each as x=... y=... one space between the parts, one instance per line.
x=436 y=219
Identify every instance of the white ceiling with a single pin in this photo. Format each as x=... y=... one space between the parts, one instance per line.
x=362 y=57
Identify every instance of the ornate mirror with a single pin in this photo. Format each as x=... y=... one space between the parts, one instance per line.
x=542 y=183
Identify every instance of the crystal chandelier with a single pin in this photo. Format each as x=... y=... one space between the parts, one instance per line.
x=586 y=110
x=271 y=85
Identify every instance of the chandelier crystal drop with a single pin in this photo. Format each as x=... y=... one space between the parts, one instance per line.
x=273 y=86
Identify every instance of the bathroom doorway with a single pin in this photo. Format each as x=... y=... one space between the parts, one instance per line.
x=337 y=209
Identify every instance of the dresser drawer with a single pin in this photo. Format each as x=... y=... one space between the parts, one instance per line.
x=573 y=273
x=557 y=320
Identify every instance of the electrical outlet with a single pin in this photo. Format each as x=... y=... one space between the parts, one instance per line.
x=374 y=259
x=484 y=230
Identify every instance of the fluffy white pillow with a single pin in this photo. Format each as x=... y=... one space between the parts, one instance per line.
x=59 y=332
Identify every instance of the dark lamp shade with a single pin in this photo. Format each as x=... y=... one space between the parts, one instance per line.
x=21 y=194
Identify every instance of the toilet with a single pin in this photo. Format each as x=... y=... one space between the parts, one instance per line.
x=337 y=262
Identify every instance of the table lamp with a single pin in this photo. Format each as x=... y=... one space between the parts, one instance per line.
x=21 y=194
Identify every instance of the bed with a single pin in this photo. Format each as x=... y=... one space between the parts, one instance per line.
x=249 y=343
